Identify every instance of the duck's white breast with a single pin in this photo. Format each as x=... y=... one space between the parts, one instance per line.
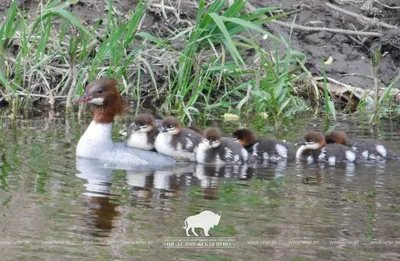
x=95 y=140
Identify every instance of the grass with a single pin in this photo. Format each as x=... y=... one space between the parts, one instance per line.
x=226 y=61
x=51 y=55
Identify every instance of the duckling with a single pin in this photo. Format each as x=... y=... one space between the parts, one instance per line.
x=262 y=149
x=218 y=150
x=315 y=149
x=369 y=149
x=143 y=133
x=177 y=142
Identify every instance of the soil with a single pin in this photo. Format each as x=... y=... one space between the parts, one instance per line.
x=351 y=54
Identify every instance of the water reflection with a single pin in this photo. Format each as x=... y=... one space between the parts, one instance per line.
x=97 y=176
x=314 y=201
x=208 y=177
x=142 y=184
x=102 y=211
x=149 y=184
x=168 y=179
x=301 y=191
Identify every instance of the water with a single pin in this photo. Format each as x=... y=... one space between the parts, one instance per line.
x=55 y=207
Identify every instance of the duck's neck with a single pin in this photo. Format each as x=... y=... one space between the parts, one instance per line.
x=97 y=139
x=303 y=148
x=250 y=144
x=299 y=153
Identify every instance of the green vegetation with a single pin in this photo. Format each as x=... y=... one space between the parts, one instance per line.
x=225 y=62
x=51 y=56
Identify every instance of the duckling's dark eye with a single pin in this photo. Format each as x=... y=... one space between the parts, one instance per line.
x=100 y=91
x=170 y=126
x=143 y=126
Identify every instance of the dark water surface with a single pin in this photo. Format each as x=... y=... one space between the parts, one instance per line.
x=55 y=207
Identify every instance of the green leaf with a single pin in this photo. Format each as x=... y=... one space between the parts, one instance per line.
x=228 y=40
x=150 y=37
x=73 y=20
x=249 y=25
x=6 y=83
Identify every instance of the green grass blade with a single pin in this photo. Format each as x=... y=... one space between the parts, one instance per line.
x=73 y=20
x=43 y=41
x=11 y=22
x=388 y=89
x=249 y=25
x=6 y=83
x=235 y=8
x=228 y=40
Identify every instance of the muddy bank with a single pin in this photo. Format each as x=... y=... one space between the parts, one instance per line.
x=351 y=53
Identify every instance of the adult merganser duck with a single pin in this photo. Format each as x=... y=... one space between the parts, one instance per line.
x=369 y=149
x=143 y=133
x=262 y=149
x=97 y=142
x=218 y=150
x=315 y=149
x=175 y=141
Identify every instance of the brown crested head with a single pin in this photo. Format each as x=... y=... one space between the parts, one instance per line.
x=143 y=122
x=314 y=137
x=338 y=137
x=106 y=100
x=171 y=125
x=212 y=137
x=245 y=137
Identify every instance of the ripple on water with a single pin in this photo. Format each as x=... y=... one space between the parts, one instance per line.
x=65 y=207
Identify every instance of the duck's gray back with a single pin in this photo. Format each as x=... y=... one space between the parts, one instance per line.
x=122 y=154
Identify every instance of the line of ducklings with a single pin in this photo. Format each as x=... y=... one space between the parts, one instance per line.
x=209 y=147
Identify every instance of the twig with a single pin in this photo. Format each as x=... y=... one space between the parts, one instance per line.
x=374 y=21
x=333 y=30
x=387 y=6
x=19 y=93
x=357 y=91
x=359 y=75
x=319 y=78
x=311 y=29
x=169 y=8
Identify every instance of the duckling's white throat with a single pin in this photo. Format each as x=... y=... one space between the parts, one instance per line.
x=95 y=140
x=300 y=151
x=139 y=140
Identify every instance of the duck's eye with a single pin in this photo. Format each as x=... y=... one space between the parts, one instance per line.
x=234 y=137
x=143 y=126
x=171 y=127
